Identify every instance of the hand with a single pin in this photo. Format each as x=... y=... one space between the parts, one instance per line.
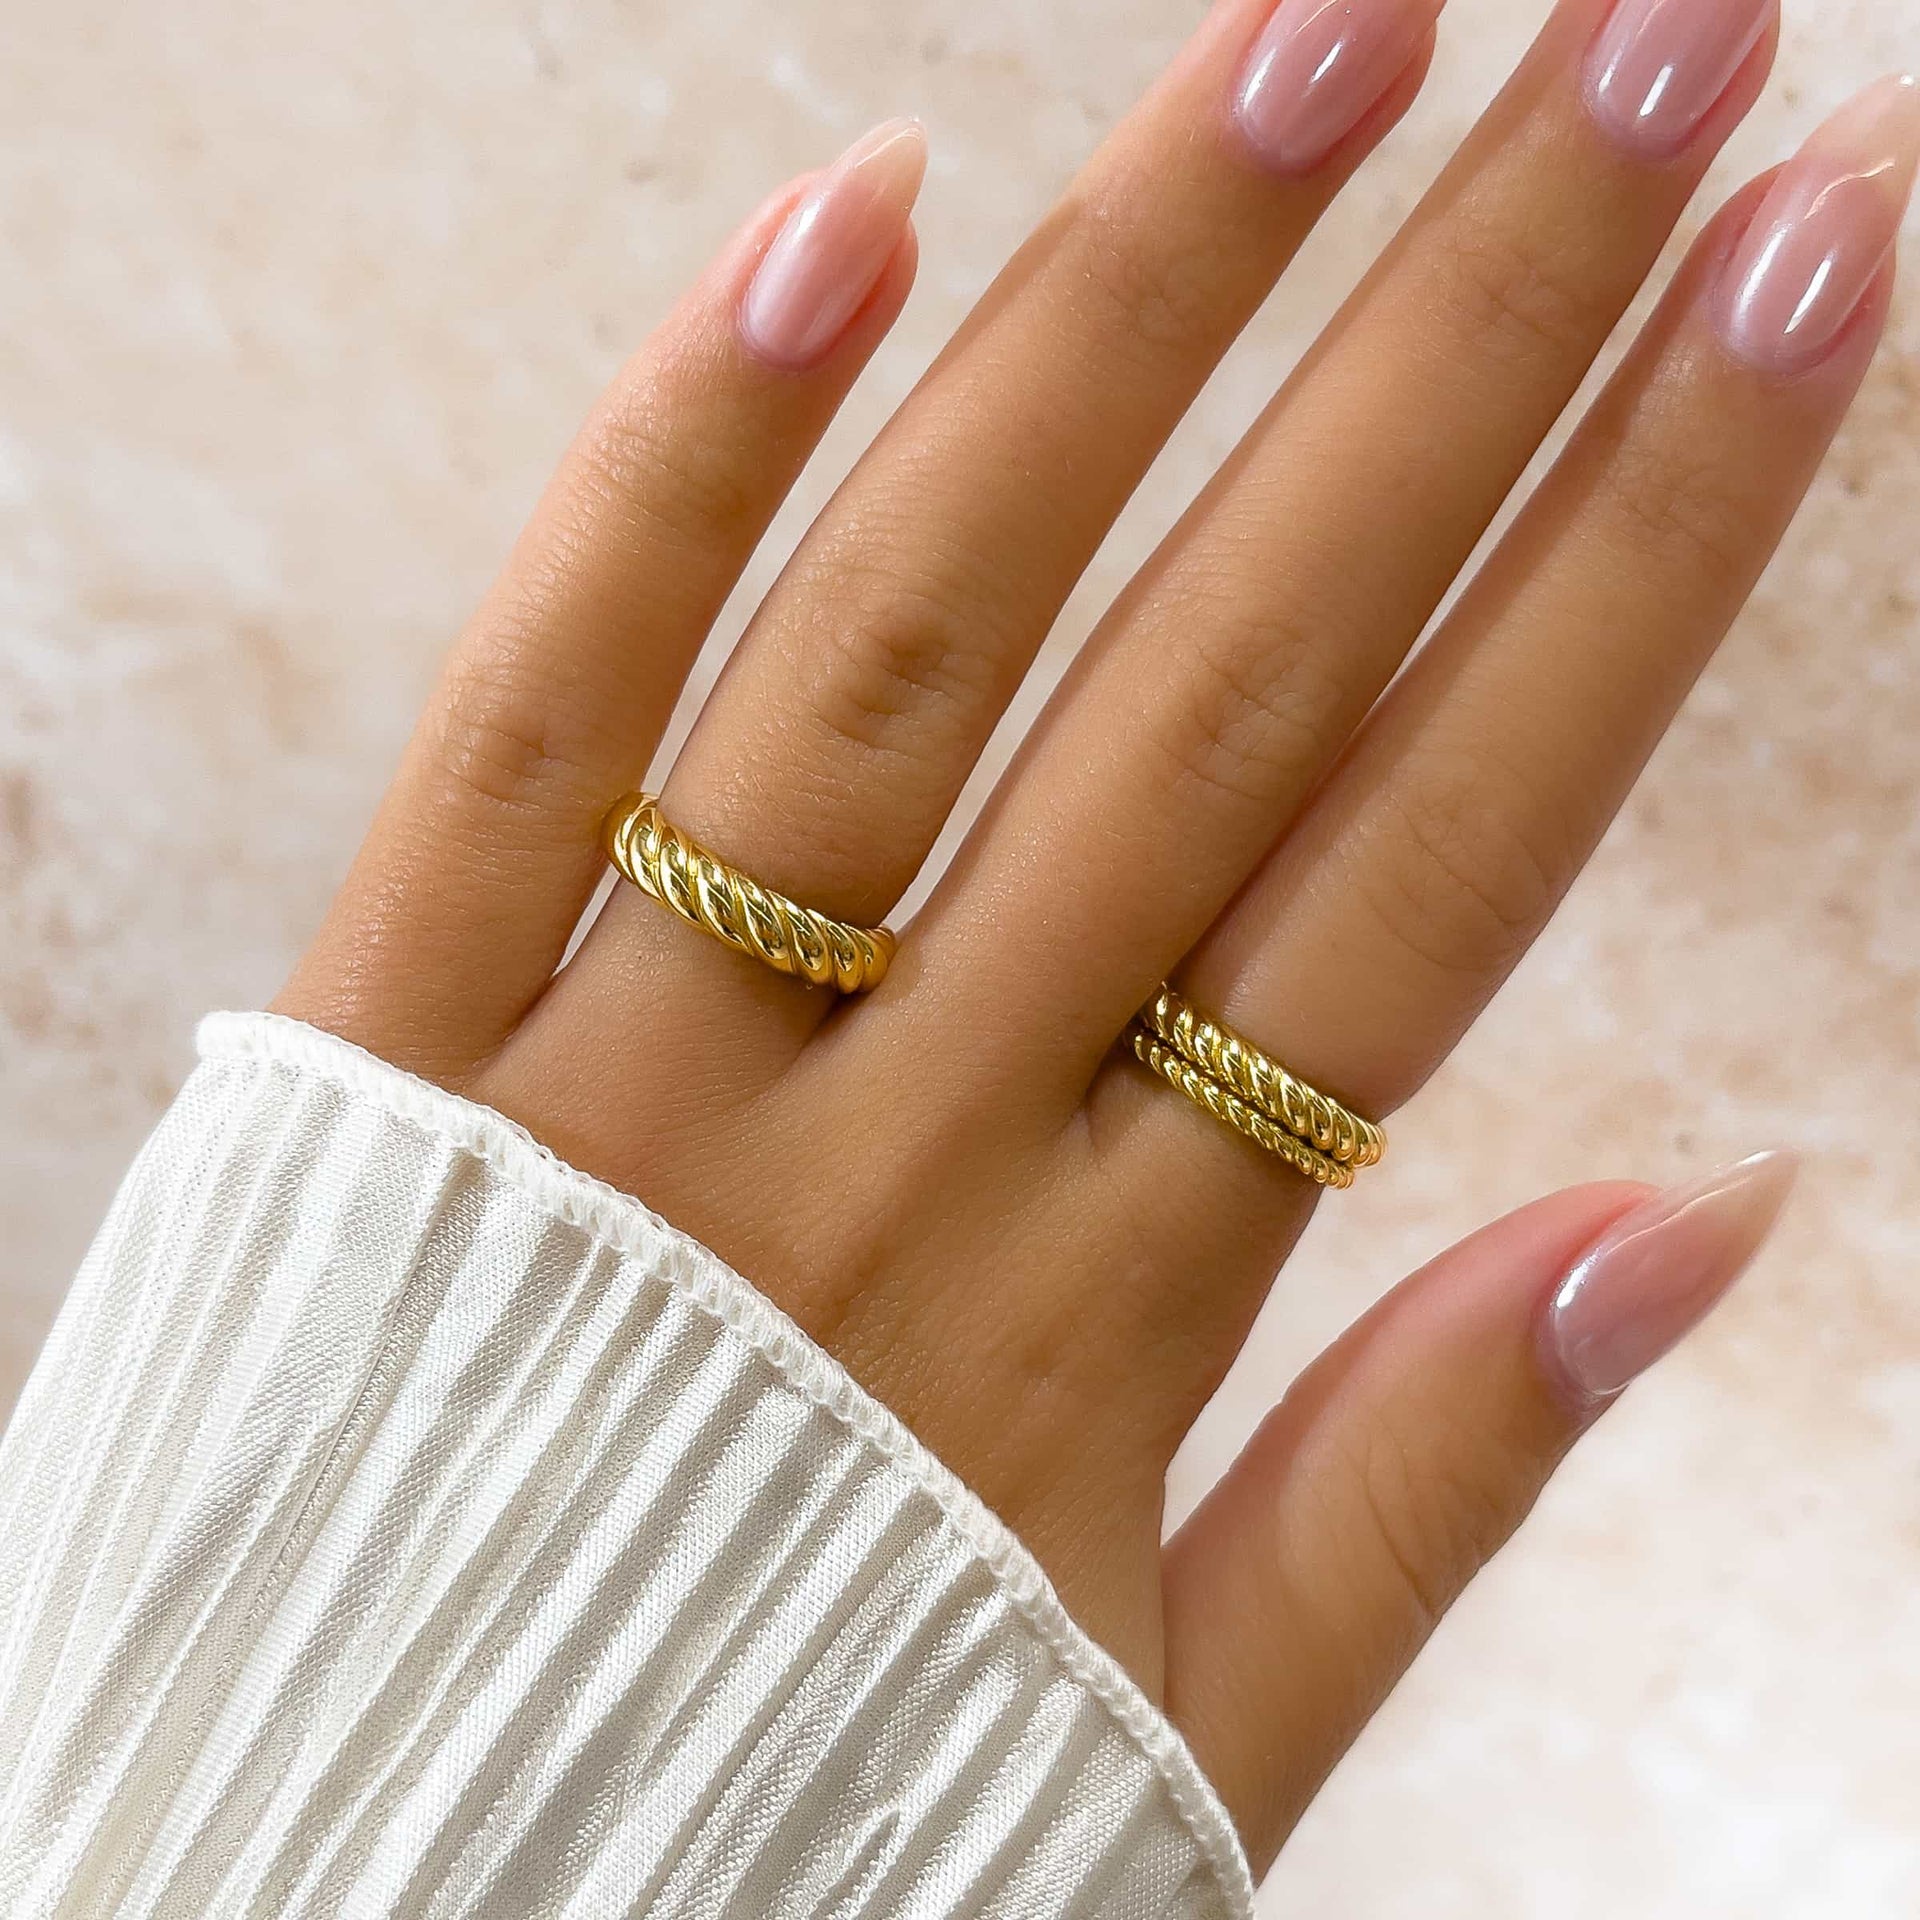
x=1039 y=1254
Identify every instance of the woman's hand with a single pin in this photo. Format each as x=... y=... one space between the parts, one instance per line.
x=1034 y=1250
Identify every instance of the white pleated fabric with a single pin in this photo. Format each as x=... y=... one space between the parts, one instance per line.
x=401 y=1523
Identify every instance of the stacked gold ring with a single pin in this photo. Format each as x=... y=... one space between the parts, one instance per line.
x=675 y=869
x=1226 y=1075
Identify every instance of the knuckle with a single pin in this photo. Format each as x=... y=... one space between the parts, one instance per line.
x=1439 y=1513
x=1256 y=718
x=1680 y=509
x=1471 y=867
x=1162 y=285
x=662 y=478
x=504 y=736
x=1515 y=296
x=904 y=660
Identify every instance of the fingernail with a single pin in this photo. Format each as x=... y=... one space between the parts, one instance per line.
x=1656 y=1274
x=1659 y=67
x=835 y=245
x=1317 y=70
x=1824 y=232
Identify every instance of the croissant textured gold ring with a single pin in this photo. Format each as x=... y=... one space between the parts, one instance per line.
x=1228 y=1076
x=676 y=870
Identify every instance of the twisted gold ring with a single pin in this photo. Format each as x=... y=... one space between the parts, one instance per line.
x=1229 y=1077
x=676 y=870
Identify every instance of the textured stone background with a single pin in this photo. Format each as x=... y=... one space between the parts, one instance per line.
x=300 y=303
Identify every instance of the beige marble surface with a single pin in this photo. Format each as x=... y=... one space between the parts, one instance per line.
x=299 y=303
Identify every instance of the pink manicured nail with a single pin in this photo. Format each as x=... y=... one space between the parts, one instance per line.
x=1655 y=1275
x=1820 y=239
x=1317 y=70
x=834 y=247
x=1659 y=67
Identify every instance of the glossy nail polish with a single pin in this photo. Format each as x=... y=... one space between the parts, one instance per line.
x=1659 y=67
x=1656 y=1273
x=1823 y=234
x=1317 y=70
x=835 y=245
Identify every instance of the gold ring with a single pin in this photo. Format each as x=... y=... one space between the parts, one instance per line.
x=1227 y=1075
x=704 y=891
x=1263 y=1082
x=1211 y=1097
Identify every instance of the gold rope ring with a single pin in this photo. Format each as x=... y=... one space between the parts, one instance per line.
x=676 y=870
x=1211 y=1097
x=1227 y=1075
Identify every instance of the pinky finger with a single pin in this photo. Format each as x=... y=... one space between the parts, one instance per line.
x=1406 y=1456
x=485 y=851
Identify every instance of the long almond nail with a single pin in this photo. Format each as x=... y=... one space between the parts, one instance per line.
x=1657 y=1273
x=835 y=245
x=1825 y=231
x=1317 y=71
x=1659 y=67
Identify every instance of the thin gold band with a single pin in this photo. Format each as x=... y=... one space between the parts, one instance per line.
x=676 y=870
x=1211 y=1097
x=1263 y=1082
x=1229 y=1077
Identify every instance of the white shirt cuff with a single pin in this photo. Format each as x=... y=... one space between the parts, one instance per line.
x=401 y=1522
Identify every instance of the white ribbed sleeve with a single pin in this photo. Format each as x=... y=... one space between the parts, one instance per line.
x=401 y=1523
